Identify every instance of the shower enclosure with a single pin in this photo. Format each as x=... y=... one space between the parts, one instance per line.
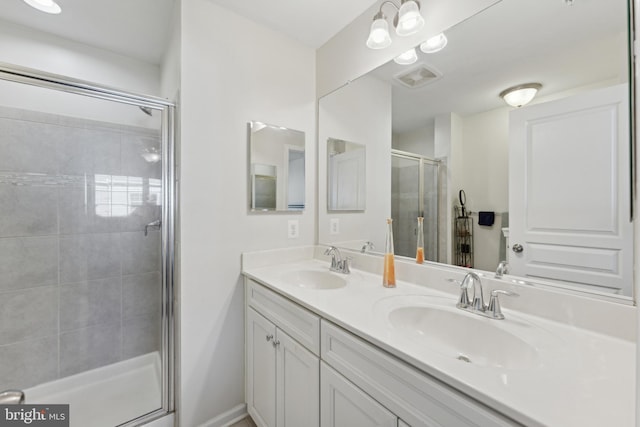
x=414 y=192
x=86 y=248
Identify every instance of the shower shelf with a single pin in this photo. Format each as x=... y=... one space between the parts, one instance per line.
x=463 y=237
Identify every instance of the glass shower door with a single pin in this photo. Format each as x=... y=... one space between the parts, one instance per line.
x=414 y=193
x=82 y=265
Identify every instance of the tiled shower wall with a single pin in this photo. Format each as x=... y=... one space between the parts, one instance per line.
x=80 y=284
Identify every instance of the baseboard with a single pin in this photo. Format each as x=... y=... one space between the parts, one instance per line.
x=225 y=419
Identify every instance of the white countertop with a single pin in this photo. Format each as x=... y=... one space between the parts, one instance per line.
x=579 y=378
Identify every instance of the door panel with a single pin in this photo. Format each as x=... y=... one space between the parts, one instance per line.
x=569 y=187
x=261 y=369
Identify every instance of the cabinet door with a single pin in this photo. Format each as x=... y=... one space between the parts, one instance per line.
x=261 y=369
x=402 y=424
x=342 y=404
x=298 y=384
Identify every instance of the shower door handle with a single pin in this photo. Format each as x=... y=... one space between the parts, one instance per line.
x=155 y=224
x=11 y=397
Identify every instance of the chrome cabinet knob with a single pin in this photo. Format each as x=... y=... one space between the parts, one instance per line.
x=517 y=248
x=269 y=337
x=276 y=343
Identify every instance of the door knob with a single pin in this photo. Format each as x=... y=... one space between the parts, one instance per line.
x=517 y=248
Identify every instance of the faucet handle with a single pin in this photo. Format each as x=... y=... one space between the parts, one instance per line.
x=463 y=301
x=344 y=268
x=494 y=303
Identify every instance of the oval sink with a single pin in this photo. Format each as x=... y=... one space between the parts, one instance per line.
x=464 y=336
x=314 y=279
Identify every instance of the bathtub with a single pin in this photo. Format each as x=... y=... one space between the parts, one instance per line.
x=106 y=396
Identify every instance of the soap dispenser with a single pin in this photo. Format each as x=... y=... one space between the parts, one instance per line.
x=389 y=274
x=420 y=245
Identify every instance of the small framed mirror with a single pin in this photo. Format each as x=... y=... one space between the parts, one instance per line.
x=276 y=168
x=346 y=175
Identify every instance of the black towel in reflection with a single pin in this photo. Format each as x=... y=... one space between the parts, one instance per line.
x=486 y=218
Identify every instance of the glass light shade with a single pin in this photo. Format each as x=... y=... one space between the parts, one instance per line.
x=409 y=19
x=409 y=57
x=518 y=96
x=47 y=6
x=434 y=44
x=379 y=37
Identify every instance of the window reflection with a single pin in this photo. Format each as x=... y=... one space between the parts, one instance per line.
x=120 y=196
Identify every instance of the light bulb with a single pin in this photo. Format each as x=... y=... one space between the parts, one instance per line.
x=47 y=6
x=409 y=19
x=409 y=57
x=379 y=37
x=434 y=44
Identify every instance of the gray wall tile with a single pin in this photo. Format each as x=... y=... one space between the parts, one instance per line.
x=141 y=335
x=89 y=256
x=90 y=303
x=28 y=210
x=82 y=210
x=28 y=363
x=28 y=262
x=28 y=314
x=28 y=146
x=141 y=254
x=89 y=348
x=141 y=294
x=88 y=151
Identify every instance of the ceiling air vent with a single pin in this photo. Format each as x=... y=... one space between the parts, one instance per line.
x=417 y=76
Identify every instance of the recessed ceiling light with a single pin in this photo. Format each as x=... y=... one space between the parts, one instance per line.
x=48 y=6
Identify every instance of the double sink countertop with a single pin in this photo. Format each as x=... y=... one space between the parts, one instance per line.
x=532 y=369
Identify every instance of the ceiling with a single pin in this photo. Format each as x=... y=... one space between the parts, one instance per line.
x=312 y=22
x=141 y=28
x=515 y=42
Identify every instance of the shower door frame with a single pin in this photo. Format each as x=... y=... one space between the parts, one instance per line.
x=19 y=74
x=422 y=160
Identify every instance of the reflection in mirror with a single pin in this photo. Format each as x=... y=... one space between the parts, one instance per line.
x=346 y=175
x=276 y=168
x=547 y=184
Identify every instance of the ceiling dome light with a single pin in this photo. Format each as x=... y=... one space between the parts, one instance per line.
x=434 y=44
x=409 y=19
x=407 y=58
x=520 y=95
x=47 y=6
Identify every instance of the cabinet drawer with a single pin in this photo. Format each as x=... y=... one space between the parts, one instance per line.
x=299 y=323
x=415 y=397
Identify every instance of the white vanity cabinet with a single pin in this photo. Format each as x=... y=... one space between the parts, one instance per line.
x=342 y=404
x=283 y=377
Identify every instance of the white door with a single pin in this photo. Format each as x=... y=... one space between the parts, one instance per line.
x=261 y=369
x=298 y=384
x=569 y=190
x=342 y=404
x=347 y=180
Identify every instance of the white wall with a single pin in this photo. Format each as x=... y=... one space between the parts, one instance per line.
x=32 y=49
x=360 y=113
x=417 y=141
x=233 y=71
x=345 y=57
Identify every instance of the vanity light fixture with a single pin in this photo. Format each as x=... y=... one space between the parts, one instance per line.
x=406 y=21
x=520 y=95
x=407 y=58
x=434 y=44
x=47 y=6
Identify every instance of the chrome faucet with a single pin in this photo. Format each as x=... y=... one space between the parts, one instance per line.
x=367 y=245
x=503 y=268
x=476 y=304
x=337 y=263
x=11 y=397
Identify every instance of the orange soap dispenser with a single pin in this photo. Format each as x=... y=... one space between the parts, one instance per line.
x=420 y=248
x=389 y=274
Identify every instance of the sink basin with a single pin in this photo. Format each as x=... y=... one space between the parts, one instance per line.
x=314 y=279
x=464 y=336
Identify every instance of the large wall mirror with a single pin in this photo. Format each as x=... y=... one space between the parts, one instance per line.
x=276 y=168
x=547 y=185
